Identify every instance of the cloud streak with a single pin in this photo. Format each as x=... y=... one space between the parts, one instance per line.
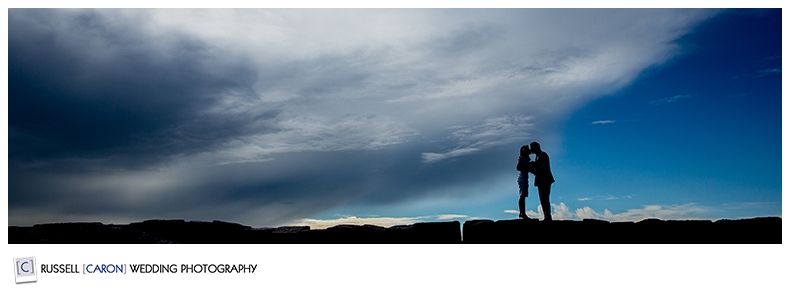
x=602 y=122
x=605 y=197
x=765 y=72
x=670 y=99
x=493 y=132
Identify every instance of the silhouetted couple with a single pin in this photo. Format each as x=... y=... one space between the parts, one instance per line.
x=543 y=178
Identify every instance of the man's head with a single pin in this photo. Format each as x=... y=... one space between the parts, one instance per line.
x=535 y=146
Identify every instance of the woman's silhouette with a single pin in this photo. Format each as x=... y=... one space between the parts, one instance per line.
x=524 y=166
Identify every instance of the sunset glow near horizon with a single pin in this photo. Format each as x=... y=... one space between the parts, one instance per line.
x=389 y=116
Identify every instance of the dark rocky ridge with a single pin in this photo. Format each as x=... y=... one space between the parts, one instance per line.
x=745 y=231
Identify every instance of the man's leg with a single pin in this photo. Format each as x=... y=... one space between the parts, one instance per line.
x=543 y=192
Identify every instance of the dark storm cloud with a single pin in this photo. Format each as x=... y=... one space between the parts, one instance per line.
x=293 y=186
x=82 y=85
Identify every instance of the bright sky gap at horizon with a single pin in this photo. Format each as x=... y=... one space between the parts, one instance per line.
x=272 y=117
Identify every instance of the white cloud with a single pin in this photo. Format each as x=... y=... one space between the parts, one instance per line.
x=603 y=122
x=377 y=221
x=450 y=217
x=353 y=220
x=665 y=212
x=442 y=67
x=671 y=212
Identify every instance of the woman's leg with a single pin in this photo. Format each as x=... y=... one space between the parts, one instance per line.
x=522 y=200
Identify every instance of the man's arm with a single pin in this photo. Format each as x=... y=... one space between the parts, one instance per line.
x=524 y=164
x=540 y=164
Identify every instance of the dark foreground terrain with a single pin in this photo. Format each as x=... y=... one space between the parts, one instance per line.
x=757 y=231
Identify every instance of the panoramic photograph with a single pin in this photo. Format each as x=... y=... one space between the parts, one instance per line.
x=394 y=125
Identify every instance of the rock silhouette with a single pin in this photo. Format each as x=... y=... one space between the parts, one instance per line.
x=766 y=230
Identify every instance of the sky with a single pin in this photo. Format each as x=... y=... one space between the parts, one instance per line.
x=272 y=117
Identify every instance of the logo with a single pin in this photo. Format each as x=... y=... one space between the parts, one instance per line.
x=25 y=269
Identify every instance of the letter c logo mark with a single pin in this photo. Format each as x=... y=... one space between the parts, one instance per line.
x=22 y=266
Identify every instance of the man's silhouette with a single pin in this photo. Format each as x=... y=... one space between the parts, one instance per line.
x=543 y=178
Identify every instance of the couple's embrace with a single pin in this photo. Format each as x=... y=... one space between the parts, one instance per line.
x=543 y=178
